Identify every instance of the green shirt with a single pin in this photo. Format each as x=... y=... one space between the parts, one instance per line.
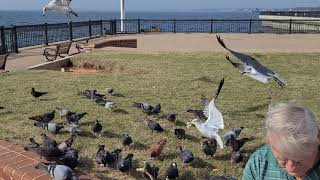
x=262 y=165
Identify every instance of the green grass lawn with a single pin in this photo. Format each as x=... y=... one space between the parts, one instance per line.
x=177 y=81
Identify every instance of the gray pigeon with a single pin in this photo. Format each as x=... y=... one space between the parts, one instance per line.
x=76 y=117
x=154 y=126
x=53 y=127
x=66 y=145
x=64 y=112
x=58 y=172
x=185 y=155
x=233 y=133
x=48 y=142
x=109 y=91
x=144 y=106
x=236 y=157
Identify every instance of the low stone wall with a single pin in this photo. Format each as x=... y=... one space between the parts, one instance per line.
x=129 y=43
x=53 y=65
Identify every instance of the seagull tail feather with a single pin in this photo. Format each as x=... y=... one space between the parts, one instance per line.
x=221 y=42
x=280 y=81
x=219 y=88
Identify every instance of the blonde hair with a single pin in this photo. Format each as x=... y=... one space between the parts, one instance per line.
x=296 y=128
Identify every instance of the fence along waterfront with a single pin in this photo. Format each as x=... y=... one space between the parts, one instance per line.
x=14 y=37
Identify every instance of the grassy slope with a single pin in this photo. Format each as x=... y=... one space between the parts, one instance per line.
x=177 y=82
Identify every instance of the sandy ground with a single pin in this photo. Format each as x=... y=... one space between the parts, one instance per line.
x=189 y=42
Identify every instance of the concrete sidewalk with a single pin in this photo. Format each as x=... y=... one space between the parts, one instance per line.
x=187 y=42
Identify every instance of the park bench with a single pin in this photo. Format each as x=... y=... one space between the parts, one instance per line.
x=61 y=50
x=84 y=45
x=3 y=61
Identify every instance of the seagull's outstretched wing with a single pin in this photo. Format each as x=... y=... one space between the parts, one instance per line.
x=206 y=109
x=215 y=119
x=66 y=2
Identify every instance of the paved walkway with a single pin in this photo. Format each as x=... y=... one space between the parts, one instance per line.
x=189 y=42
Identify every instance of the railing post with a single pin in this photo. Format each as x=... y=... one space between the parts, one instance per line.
x=211 y=26
x=114 y=26
x=101 y=27
x=139 y=30
x=290 y=26
x=15 y=39
x=3 y=41
x=46 y=40
x=174 y=26
x=250 y=24
x=90 y=29
x=70 y=31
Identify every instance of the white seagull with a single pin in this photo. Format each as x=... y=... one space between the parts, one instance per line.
x=60 y=5
x=214 y=123
x=252 y=68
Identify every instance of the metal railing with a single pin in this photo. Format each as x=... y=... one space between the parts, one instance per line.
x=14 y=37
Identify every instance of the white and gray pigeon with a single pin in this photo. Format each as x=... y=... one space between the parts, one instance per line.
x=252 y=68
x=60 y=5
x=53 y=127
x=233 y=133
x=58 y=172
x=214 y=122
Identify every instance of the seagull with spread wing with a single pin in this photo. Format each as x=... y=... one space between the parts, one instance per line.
x=60 y=5
x=252 y=68
x=214 y=122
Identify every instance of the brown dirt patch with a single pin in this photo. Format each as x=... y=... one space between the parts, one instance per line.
x=76 y=71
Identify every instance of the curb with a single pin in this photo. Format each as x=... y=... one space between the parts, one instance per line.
x=18 y=164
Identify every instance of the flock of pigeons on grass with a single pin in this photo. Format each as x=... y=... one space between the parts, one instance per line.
x=63 y=159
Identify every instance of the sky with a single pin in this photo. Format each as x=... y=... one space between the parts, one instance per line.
x=160 y=5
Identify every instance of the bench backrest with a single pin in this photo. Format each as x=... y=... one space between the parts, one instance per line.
x=63 y=48
x=3 y=60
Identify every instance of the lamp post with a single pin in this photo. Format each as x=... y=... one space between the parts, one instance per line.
x=122 y=15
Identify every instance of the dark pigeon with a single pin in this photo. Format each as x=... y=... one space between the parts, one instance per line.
x=70 y=159
x=236 y=144
x=155 y=110
x=96 y=128
x=233 y=133
x=100 y=156
x=172 y=172
x=180 y=133
x=46 y=117
x=172 y=117
x=236 y=157
x=125 y=165
x=48 y=142
x=154 y=126
x=149 y=170
x=209 y=147
x=126 y=140
x=76 y=117
x=50 y=154
x=112 y=158
x=185 y=155
x=37 y=94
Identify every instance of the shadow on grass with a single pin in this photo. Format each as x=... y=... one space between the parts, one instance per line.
x=139 y=146
x=192 y=138
x=170 y=155
x=224 y=157
x=48 y=99
x=204 y=79
x=86 y=163
x=120 y=111
x=6 y=112
x=180 y=123
x=248 y=110
x=187 y=175
x=110 y=134
x=86 y=134
x=200 y=163
x=118 y=95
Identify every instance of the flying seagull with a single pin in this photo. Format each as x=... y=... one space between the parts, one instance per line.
x=252 y=68
x=214 y=122
x=60 y=5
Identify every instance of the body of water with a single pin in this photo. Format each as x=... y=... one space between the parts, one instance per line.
x=8 y=18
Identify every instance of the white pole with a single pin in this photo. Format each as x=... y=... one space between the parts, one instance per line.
x=122 y=14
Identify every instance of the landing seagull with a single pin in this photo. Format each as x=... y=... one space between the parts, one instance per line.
x=214 y=122
x=252 y=68
x=60 y=5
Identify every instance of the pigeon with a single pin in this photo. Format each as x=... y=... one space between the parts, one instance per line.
x=100 y=156
x=66 y=145
x=37 y=94
x=76 y=117
x=171 y=117
x=180 y=133
x=214 y=122
x=185 y=155
x=60 y=5
x=57 y=172
x=109 y=105
x=209 y=147
x=126 y=164
x=234 y=133
x=172 y=172
x=109 y=91
x=73 y=128
x=50 y=154
x=96 y=127
x=40 y=124
x=236 y=145
x=220 y=178
x=53 y=127
x=34 y=144
x=48 y=142
x=70 y=159
x=46 y=117
x=254 y=69
x=1 y=107
x=149 y=172
x=64 y=112
x=126 y=140
x=236 y=157
x=154 y=126
x=144 y=106
x=154 y=110
x=112 y=158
